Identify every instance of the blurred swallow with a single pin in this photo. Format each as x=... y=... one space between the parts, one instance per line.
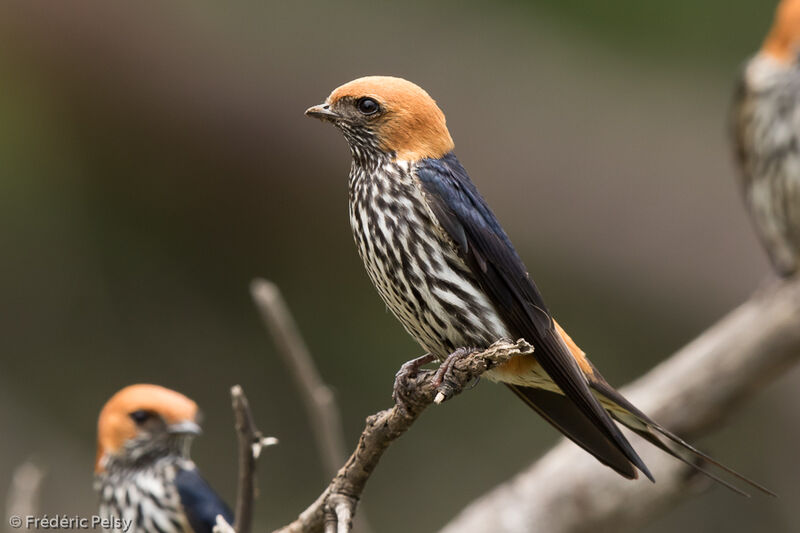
x=143 y=471
x=766 y=126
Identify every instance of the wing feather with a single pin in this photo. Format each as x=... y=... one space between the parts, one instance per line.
x=200 y=503
x=499 y=271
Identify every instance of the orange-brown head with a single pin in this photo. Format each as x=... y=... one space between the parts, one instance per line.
x=783 y=40
x=144 y=421
x=388 y=114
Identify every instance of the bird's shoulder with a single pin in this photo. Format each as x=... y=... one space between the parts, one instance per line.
x=446 y=181
x=482 y=243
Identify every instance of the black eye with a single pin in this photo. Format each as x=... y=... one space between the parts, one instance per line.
x=368 y=106
x=140 y=416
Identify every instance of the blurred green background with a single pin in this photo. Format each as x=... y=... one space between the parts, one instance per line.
x=154 y=159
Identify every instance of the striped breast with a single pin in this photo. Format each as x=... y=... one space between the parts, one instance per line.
x=414 y=265
x=767 y=124
x=145 y=496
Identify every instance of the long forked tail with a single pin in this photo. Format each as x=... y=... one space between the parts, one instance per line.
x=565 y=416
x=628 y=415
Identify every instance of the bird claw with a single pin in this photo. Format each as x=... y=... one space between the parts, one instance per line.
x=409 y=370
x=339 y=512
x=446 y=383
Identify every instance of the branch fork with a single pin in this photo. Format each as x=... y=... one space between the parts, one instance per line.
x=251 y=443
x=414 y=390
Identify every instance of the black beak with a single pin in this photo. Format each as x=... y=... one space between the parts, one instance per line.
x=322 y=112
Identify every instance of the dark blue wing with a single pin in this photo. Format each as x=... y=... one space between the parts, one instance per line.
x=486 y=249
x=200 y=503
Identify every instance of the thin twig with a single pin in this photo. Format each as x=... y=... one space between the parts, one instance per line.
x=320 y=403
x=318 y=397
x=251 y=441
x=334 y=509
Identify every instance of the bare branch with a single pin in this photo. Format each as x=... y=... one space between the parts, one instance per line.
x=251 y=441
x=319 y=399
x=334 y=509
x=690 y=393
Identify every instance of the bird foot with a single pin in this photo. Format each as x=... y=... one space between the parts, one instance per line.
x=339 y=512
x=446 y=382
x=409 y=370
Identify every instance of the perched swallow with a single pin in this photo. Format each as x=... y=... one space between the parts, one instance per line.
x=766 y=127
x=143 y=472
x=444 y=266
